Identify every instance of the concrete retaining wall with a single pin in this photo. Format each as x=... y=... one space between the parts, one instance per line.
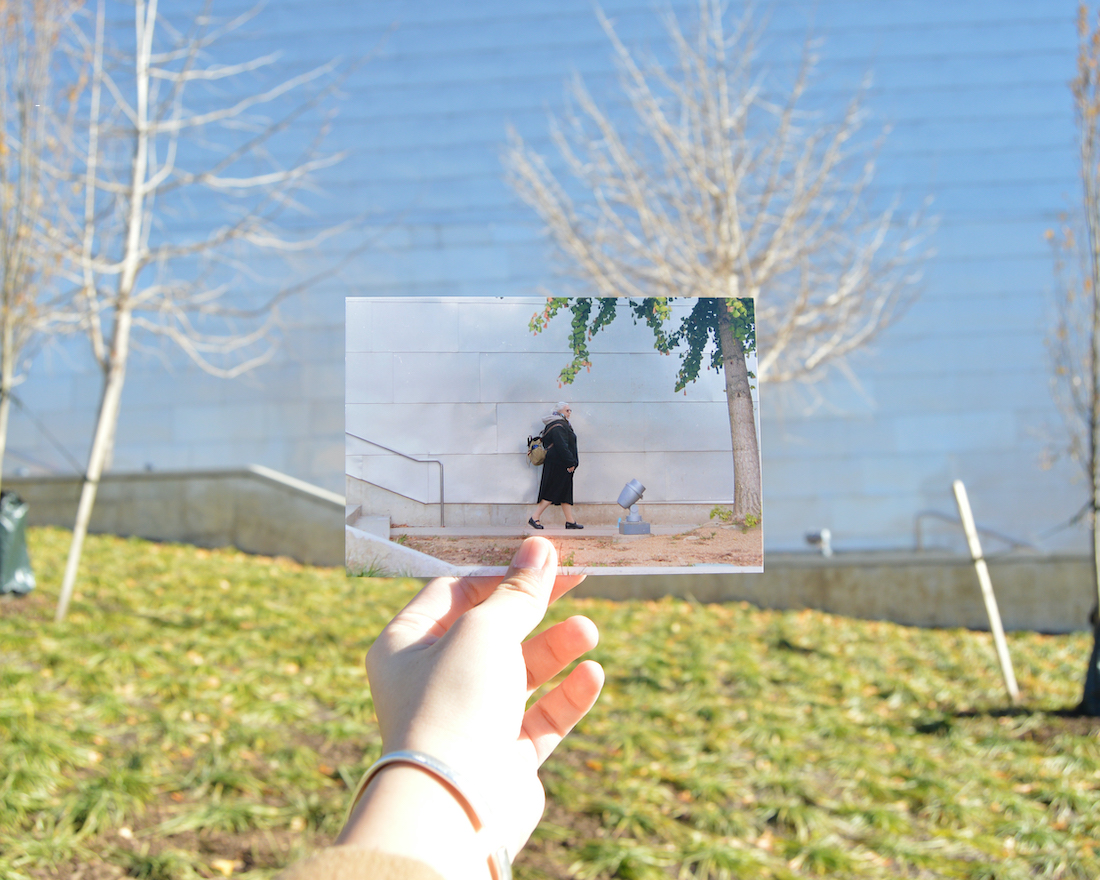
x=1043 y=593
x=262 y=511
x=255 y=509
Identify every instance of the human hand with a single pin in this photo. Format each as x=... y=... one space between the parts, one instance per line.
x=451 y=675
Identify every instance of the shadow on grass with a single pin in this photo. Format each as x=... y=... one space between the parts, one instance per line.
x=1037 y=725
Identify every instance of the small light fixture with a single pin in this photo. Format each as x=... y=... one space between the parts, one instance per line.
x=823 y=539
x=628 y=500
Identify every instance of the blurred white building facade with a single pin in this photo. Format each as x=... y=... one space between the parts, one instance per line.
x=981 y=120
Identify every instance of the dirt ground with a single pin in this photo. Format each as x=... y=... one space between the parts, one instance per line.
x=714 y=544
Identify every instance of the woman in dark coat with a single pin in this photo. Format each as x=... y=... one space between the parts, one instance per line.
x=557 y=471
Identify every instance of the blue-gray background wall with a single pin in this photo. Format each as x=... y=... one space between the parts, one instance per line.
x=975 y=94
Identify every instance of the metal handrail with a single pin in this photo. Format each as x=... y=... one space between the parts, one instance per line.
x=410 y=458
x=954 y=520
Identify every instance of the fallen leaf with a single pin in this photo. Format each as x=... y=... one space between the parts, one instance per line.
x=225 y=867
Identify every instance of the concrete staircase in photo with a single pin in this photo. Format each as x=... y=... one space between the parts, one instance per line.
x=368 y=549
x=373 y=524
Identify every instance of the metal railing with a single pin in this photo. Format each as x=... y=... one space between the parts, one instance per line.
x=410 y=458
x=918 y=535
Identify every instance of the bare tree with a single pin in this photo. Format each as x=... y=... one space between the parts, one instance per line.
x=724 y=185
x=32 y=149
x=156 y=154
x=1075 y=344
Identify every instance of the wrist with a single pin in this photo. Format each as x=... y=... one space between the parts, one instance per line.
x=429 y=812
x=407 y=811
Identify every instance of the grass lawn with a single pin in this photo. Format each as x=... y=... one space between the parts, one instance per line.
x=203 y=713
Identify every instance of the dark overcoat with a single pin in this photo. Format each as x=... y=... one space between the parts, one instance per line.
x=561 y=454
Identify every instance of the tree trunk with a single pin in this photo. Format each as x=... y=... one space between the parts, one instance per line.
x=7 y=375
x=1090 y=700
x=5 y=408
x=746 y=451
x=106 y=425
x=107 y=419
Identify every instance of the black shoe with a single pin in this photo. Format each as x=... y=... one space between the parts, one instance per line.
x=535 y=524
x=573 y=525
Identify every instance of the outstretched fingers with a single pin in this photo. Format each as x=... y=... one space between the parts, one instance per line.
x=554 y=714
x=563 y=584
x=549 y=652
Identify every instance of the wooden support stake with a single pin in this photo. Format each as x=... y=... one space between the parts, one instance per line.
x=987 y=590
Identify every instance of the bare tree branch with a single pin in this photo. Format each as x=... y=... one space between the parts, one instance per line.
x=714 y=190
x=35 y=111
x=137 y=273
x=1074 y=346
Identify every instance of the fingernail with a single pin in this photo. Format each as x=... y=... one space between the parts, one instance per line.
x=532 y=553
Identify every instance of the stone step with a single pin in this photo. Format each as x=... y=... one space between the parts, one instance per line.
x=374 y=525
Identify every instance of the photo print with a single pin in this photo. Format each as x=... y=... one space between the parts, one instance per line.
x=650 y=432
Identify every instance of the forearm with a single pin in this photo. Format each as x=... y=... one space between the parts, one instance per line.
x=450 y=677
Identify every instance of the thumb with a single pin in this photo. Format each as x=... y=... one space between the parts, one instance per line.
x=519 y=602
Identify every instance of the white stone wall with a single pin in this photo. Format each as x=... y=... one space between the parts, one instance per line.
x=464 y=381
x=287 y=415
x=254 y=509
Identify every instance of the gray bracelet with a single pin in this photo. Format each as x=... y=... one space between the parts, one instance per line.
x=499 y=861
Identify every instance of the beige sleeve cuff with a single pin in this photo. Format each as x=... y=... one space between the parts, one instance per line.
x=353 y=863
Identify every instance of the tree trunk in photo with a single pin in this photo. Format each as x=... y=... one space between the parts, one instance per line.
x=746 y=451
